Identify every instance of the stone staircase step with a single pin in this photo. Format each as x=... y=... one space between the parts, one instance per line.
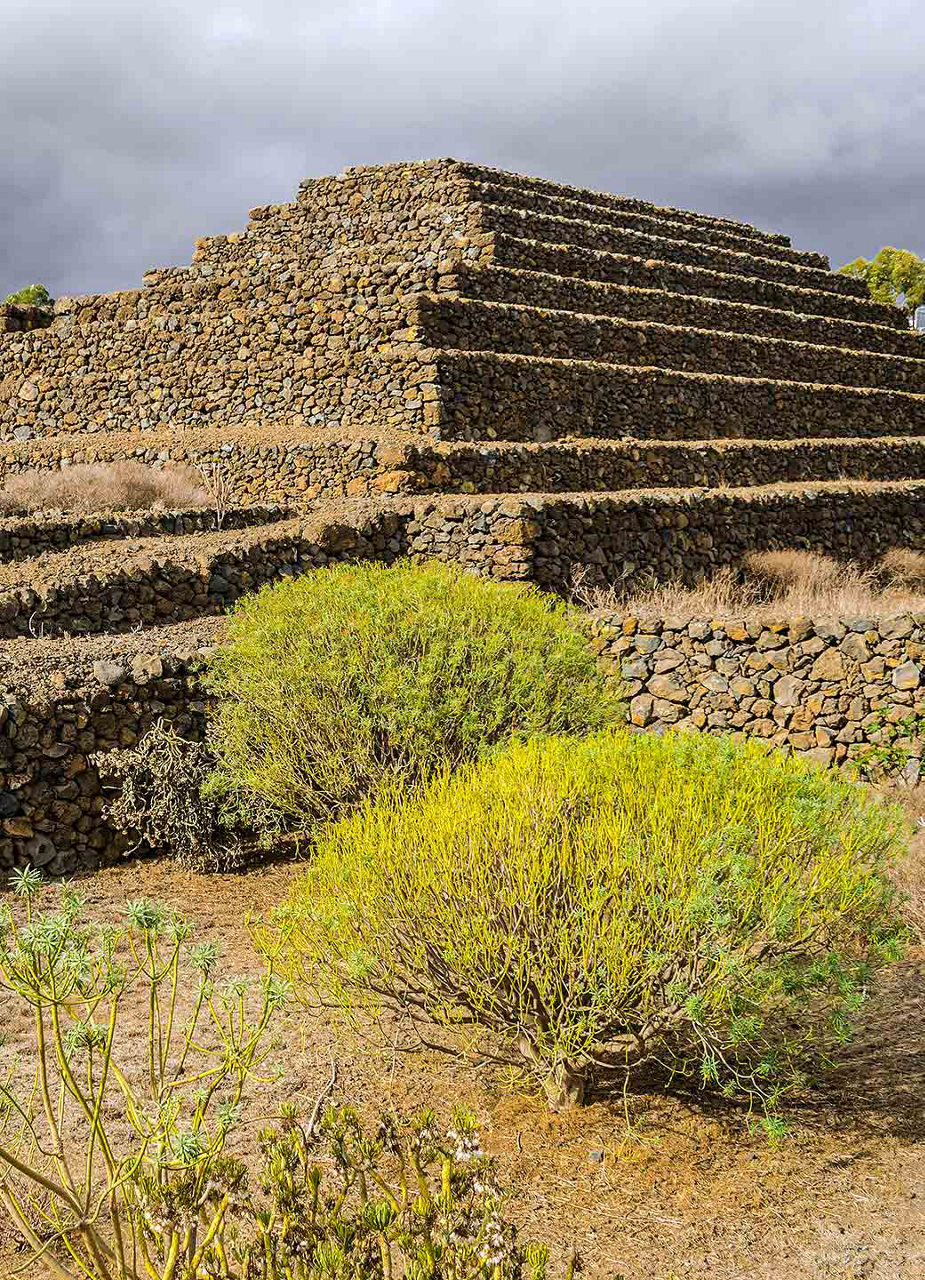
x=489 y=396
x=483 y=173
x=276 y=464
x=25 y=537
x=544 y=227
x=628 y=302
x=708 y=281
x=578 y=465
x=650 y=224
x=466 y=325
x=118 y=585
x=259 y=463
x=123 y=584
x=685 y=535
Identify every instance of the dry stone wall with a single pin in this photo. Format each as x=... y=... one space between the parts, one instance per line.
x=288 y=321
x=600 y=237
x=689 y=536
x=23 y=537
x=119 y=585
x=578 y=466
x=122 y=585
x=543 y=189
x=651 y=223
x=302 y=320
x=484 y=395
x=288 y=468
x=18 y=319
x=630 y=302
x=257 y=466
x=69 y=704
x=441 y=360
x=565 y=260
x=462 y=324
x=816 y=685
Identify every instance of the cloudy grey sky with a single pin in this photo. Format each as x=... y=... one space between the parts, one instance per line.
x=129 y=127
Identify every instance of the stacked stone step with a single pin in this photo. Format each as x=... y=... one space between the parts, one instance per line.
x=594 y=321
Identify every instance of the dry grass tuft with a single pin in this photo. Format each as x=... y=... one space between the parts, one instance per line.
x=909 y=876
x=905 y=569
x=114 y=486
x=775 y=584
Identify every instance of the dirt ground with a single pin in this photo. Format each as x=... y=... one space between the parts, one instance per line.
x=689 y=1194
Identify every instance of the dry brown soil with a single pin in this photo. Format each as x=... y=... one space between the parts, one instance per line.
x=689 y=1194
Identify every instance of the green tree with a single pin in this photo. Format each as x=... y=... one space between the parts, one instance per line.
x=33 y=295
x=895 y=277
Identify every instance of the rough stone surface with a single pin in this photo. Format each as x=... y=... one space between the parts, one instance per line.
x=441 y=360
x=825 y=703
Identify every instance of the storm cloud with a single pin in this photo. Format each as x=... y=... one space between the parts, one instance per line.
x=127 y=128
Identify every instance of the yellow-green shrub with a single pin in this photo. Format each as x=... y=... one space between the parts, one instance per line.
x=602 y=903
x=332 y=682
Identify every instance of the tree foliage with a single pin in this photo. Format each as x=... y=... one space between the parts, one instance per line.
x=33 y=295
x=895 y=277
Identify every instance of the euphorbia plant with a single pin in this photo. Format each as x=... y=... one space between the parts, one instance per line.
x=113 y=1158
x=579 y=908
x=97 y=1125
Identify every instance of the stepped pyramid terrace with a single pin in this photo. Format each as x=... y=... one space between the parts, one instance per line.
x=438 y=359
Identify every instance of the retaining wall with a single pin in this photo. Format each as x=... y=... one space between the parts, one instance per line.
x=119 y=585
x=464 y=325
x=814 y=685
x=22 y=537
x=677 y=277
x=811 y=685
x=686 y=537
x=600 y=237
x=287 y=469
x=287 y=466
x=69 y=705
x=631 y=302
x=486 y=395
x=302 y=319
x=655 y=223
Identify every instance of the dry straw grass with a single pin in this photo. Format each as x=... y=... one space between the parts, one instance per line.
x=115 y=486
x=774 y=584
x=909 y=872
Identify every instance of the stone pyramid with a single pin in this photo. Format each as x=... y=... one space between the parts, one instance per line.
x=443 y=359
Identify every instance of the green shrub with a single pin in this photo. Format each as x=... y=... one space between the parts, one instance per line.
x=113 y=1127
x=598 y=904
x=33 y=295
x=332 y=682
